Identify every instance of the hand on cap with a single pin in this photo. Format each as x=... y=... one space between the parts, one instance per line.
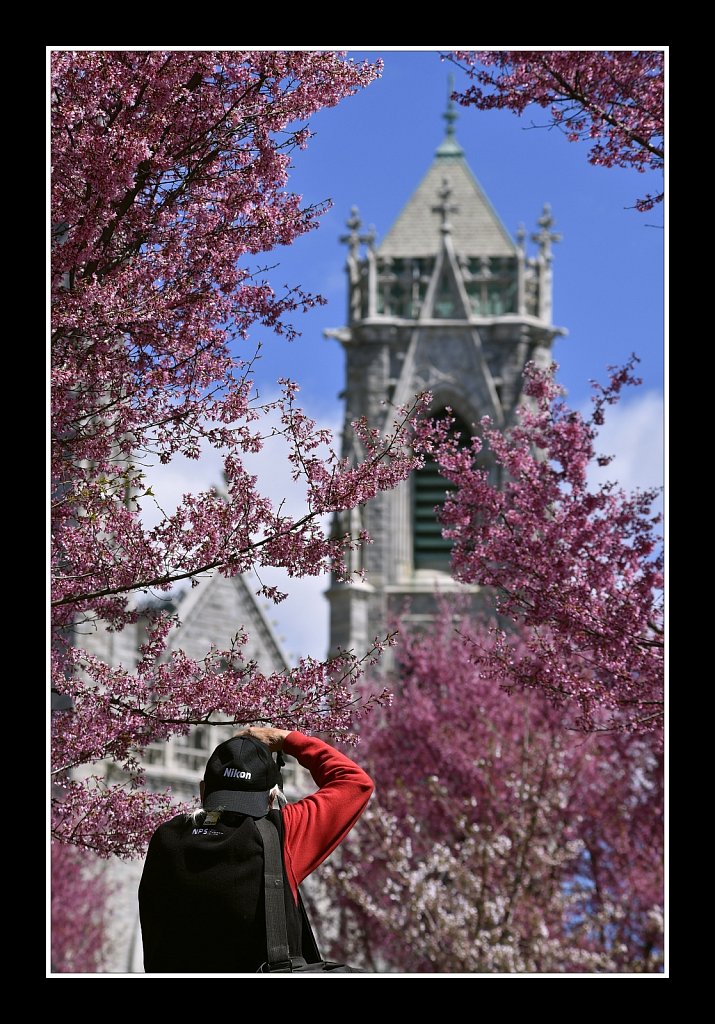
x=273 y=738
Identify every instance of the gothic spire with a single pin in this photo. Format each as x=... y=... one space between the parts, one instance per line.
x=450 y=147
x=354 y=240
x=354 y=223
x=545 y=237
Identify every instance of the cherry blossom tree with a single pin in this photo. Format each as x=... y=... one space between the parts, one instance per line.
x=169 y=179
x=496 y=841
x=577 y=568
x=79 y=908
x=613 y=99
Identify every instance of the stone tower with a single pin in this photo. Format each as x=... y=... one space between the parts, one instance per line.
x=449 y=303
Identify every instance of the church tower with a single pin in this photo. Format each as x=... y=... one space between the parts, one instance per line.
x=449 y=303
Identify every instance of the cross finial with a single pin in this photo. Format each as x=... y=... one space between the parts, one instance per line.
x=449 y=148
x=545 y=237
x=353 y=239
x=444 y=207
x=450 y=114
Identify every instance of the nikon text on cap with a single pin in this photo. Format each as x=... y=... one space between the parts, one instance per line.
x=239 y=776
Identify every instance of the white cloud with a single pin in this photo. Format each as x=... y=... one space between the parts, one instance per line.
x=633 y=433
x=171 y=482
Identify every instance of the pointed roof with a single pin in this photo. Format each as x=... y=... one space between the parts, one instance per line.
x=476 y=227
x=215 y=610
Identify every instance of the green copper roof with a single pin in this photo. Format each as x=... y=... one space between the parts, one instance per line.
x=449 y=147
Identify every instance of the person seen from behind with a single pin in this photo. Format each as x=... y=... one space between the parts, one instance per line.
x=201 y=899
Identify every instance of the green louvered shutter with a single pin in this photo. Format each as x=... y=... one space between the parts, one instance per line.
x=431 y=550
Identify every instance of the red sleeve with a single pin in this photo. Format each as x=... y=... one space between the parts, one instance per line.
x=314 y=826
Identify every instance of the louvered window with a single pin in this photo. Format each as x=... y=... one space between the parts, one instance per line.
x=429 y=493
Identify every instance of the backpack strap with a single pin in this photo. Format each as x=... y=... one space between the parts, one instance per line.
x=276 y=928
x=311 y=951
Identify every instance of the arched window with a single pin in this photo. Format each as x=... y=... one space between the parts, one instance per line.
x=429 y=493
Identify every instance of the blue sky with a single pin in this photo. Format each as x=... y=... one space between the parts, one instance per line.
x=372 y=150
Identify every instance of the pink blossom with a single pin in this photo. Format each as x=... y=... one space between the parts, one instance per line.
x=611 y=98
x=497 y=842
x=80 y=907
x=170 y=173
x=578 y=569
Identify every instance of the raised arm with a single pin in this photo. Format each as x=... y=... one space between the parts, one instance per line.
x=315 y=825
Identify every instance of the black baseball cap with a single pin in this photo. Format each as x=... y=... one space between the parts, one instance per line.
x=239 y=776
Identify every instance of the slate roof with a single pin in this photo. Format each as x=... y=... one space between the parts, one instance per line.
x=476 y=227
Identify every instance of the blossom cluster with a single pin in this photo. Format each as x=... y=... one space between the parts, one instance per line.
x=580 y=568
x=169 y=179
x=81 y=891
x=497 y=841
x=613 y=99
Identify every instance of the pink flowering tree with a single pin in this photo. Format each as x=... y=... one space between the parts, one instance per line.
x=612 y=99
x=169 y=181
x=575 y=569
x=79 y=909
x=497 y=842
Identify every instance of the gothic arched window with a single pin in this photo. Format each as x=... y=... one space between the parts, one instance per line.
x=429 y=492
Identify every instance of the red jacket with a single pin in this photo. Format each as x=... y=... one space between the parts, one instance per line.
x=315 y=825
